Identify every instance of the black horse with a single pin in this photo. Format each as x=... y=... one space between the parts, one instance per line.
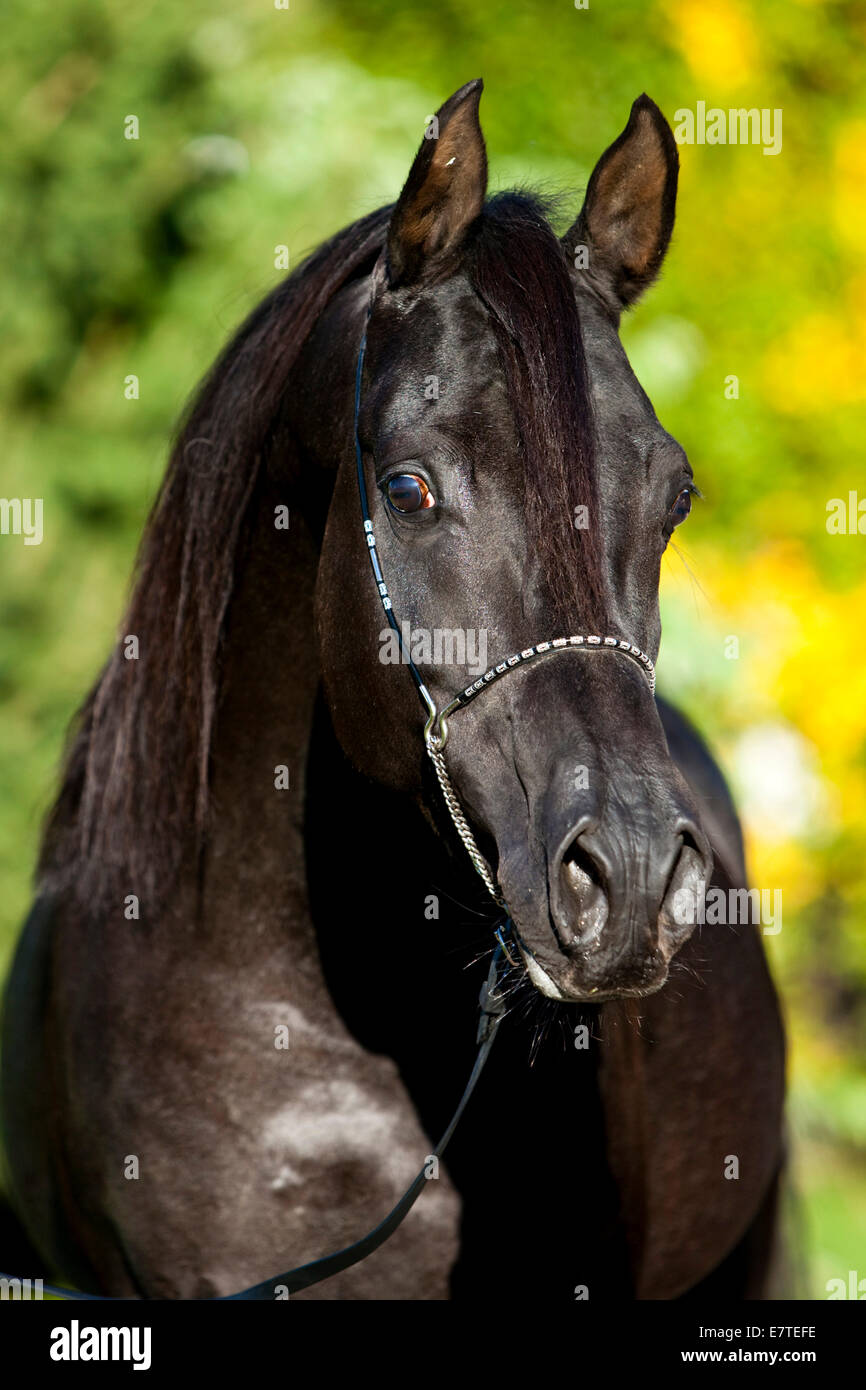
x=250 y=848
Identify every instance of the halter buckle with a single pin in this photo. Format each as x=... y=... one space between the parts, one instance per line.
x=435 y=729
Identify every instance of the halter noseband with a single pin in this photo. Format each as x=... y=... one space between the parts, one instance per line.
x=436 y=726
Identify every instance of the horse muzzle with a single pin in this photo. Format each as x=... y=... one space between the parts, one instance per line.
x=612 y=916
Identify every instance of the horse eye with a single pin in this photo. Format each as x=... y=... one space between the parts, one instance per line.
x=681 y=508
x=408 y=493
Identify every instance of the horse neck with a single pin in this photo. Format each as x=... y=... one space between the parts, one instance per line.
x=253 y=880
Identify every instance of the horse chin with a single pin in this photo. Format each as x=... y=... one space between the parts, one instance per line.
x=570 y=990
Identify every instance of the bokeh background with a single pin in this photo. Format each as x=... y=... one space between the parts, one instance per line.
x=262 y=127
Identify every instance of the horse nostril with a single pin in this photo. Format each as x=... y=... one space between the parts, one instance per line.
x=686 y=880
x=582 y=896
x=696 y=850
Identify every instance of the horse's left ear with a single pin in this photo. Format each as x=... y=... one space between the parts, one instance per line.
x=621 y=235
x=444 y=192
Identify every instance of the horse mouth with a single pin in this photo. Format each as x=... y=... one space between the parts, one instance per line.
x=646 y=979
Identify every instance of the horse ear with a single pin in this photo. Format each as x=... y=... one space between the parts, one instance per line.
x=444 y=192
x=627 y=217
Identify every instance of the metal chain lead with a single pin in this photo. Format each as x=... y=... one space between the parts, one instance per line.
x=461 y=824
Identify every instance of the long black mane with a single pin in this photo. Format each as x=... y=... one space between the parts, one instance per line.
x=134 y=795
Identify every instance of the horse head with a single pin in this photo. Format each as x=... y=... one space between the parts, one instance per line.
x=520 y=488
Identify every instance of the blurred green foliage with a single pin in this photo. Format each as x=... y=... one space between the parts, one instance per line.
x=259 y=127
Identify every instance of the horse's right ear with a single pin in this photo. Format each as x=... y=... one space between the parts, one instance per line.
x=444 y=192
